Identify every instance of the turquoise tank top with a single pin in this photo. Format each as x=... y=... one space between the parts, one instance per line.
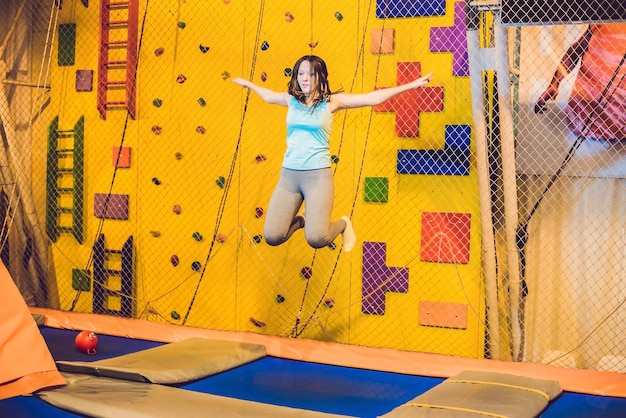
x=308 y=136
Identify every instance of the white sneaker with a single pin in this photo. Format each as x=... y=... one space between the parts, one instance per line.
x=349 y=237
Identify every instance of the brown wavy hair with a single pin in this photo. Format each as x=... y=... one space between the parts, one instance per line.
x=321 y=86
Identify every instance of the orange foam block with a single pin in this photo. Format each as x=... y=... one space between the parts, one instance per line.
x=121 y=158
x=382 y=41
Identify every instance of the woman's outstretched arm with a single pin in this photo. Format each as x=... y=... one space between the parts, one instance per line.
x=270 y=96
x=350 y=101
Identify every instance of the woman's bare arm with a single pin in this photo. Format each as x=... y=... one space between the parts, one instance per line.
x=269 y=96
x=341 y=101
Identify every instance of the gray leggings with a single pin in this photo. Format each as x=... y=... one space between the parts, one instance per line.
x=317 y=188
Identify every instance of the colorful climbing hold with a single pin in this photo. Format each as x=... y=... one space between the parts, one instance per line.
x=334 y=159
x=225 y=75
x=329 y=302
x=313 y=44
x=265 y=46
x=177 y=209
x=204 y=49
x=201 y=130
x=258 y=212
x=156 y=181
x=174 y=260
x=264 y=76
x=182 y=25
x=257 y=239
x=181 y=79
x=338 y=16
x=287 y=72
x=280 y=298
x=197 y=236
x=178 y=156
x=202 y=102
x=221 y=238
x=289 y=17
x=159 y=51
x=196 y=266
x=175 y=315
x=259 y=158
x=156 y=130
x=257 y=323
x=157 y=102
x=155 y=234
x=332 y=246
x=221 y=181
x=306 y=272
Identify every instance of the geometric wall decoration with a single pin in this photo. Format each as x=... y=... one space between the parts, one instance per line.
x=81 y=280
x=84 y=80
x=382 y=41
x=453 y=39
x=121 y=157
x=110 y=206
x=452 y=160
x=66 y=52
x=410 y=104
x=378 y=279
x=376 y=189
x=409 y=8
x=443 y=314
x=445 y=237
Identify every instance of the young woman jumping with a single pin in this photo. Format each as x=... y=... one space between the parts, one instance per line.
x=306 y=174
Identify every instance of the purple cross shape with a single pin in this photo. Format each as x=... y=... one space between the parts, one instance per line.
x=378 y=279
x=454 y=39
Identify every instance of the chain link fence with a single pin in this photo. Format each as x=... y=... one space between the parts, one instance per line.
x=489 y=206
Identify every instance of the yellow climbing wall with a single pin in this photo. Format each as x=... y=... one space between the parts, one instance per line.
x=202 y=147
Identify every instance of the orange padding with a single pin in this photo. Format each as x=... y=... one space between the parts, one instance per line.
x=434 y=365
x=26 y=365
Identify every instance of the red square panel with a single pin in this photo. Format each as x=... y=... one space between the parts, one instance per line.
x=445 y=237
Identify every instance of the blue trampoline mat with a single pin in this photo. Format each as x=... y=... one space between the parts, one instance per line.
x=297 y=384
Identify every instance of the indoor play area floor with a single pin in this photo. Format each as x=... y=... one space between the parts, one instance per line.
x=296 y=384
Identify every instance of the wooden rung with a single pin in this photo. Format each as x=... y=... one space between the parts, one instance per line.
x=115 y=104
x=65 y=150
x=115 y=63
x=117 y=44
x=111 y=272
x=117 y=23
x=116 y=83
x=65 y=190
x=110 y=251
x=64 y=131
x=65 y=170
x=118 y=5
x=65 y=210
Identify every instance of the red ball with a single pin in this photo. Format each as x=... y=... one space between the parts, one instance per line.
x=87 y=341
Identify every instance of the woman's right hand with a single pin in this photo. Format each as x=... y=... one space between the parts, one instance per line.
x=242 y=82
